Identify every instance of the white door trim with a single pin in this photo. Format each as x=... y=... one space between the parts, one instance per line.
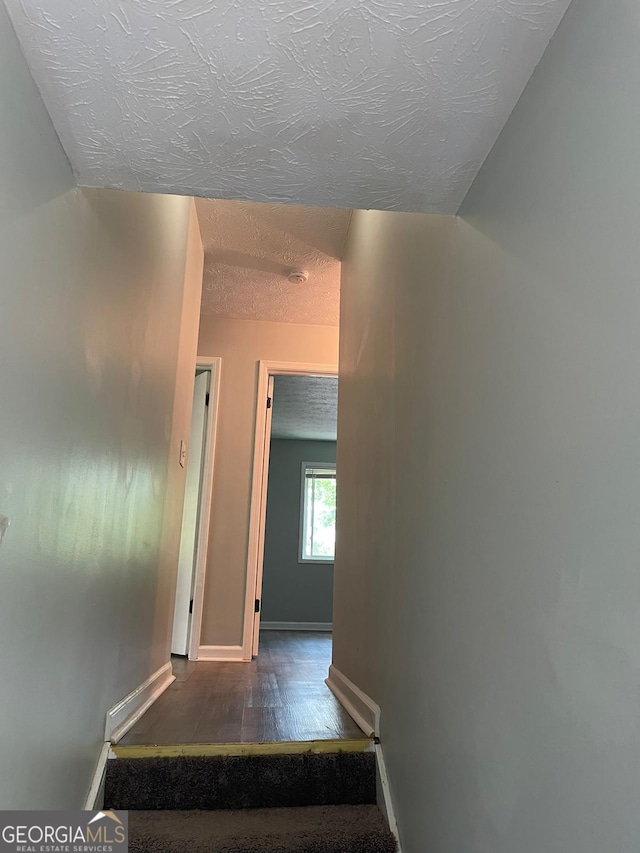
x=194 y=465
x=266 y=451
x=214 y=365
x=257 y=512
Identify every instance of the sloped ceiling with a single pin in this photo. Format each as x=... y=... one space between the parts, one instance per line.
x=249 y=250
x=389 y=104
x=305 y=407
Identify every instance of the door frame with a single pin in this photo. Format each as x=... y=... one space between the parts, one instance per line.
x=214 y=366
x=259 y=484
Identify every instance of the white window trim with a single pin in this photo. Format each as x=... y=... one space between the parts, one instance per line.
x=302 y=559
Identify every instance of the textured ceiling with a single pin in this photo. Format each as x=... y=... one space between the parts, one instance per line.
x=250 y=248
x=305 y=407
x=389 y=104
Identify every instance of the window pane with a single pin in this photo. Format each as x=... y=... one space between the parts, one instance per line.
x=308 y=548
x=319 y=514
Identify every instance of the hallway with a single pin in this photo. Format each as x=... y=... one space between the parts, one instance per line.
x=279 y=696
x=437 y=202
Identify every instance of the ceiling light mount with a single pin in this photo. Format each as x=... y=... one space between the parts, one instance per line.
x=298 y=276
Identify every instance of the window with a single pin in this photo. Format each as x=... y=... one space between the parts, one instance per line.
x=318 y=513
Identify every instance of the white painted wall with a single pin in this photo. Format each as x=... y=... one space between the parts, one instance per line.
x=494 y=611
x=242 y=344
x=92 y=298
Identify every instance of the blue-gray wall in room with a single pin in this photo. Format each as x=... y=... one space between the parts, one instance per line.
x=292 y=591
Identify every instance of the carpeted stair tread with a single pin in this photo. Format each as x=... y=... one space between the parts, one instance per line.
x=311 y=829
x=245 y=782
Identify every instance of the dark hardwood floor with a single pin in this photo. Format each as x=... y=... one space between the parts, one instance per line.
x=279 y=696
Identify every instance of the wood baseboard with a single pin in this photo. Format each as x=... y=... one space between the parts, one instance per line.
x=360 y=707
x=128 y=711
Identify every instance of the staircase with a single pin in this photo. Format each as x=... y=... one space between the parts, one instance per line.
x=276 y=803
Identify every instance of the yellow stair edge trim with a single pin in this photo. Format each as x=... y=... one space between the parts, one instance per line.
x=264 y=748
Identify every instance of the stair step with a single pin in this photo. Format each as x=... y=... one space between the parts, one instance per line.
x=314 y=829
x=246 y=782
x=160 y=750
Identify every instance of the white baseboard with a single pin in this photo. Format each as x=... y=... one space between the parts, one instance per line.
x=128 y=711
x=385 y=802
x=296 y=626
x=366 y=713
x=220 y=653
x=95 y=797
x=363 y=710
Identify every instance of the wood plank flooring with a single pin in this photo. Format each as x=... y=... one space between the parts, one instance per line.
x=279 y=696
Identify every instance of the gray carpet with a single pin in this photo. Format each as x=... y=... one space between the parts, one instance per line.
x=317 y=829
x=247 y=782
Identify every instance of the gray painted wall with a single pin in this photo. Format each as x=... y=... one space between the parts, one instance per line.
x=91 y=301
x=494 y=613
x=292 y=591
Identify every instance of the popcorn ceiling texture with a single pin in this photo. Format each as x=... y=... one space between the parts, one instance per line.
x=389 y=104
x=249 y=250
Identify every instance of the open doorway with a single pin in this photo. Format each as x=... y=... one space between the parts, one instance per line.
x=192 y=558
x=292 y=529
x=300 y=525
